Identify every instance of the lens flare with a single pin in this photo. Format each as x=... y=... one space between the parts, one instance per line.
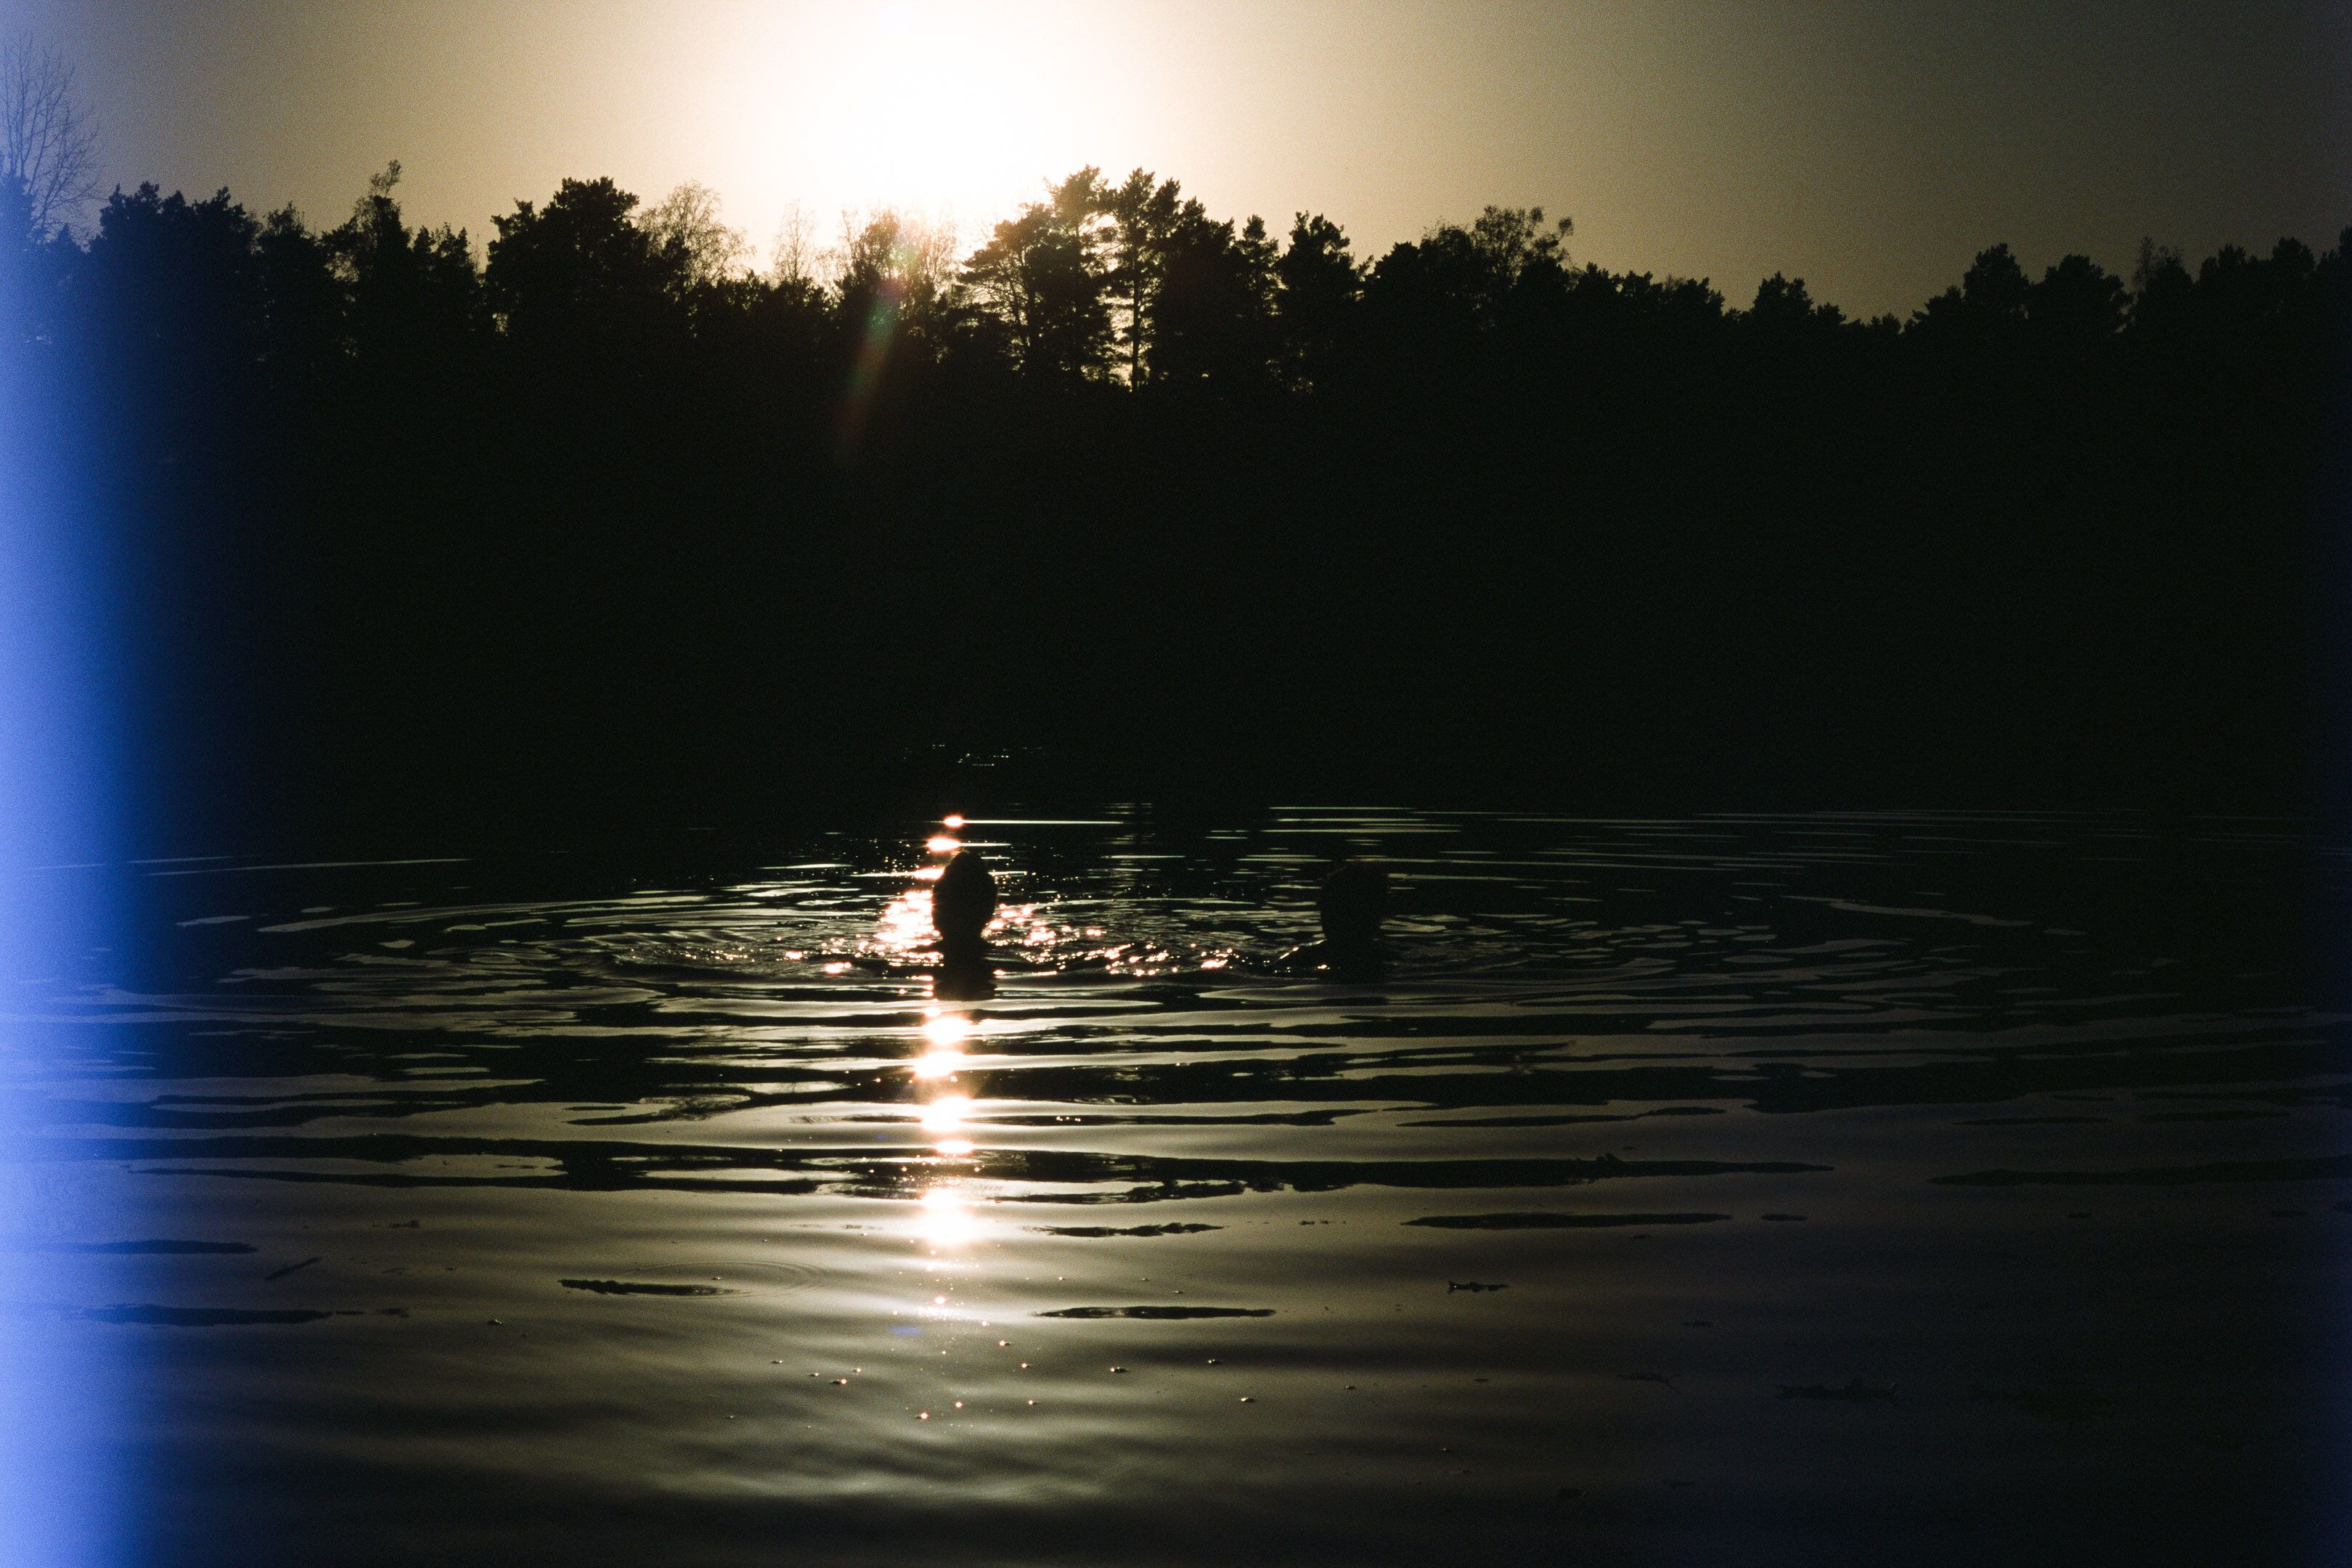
x=873 y=353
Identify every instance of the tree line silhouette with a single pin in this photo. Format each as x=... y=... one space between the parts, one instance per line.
x=592 y=522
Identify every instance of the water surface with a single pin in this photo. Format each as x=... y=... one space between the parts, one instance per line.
x=1726 y=1189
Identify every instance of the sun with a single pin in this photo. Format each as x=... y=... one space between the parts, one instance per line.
x=808 y=114
x=932 y=108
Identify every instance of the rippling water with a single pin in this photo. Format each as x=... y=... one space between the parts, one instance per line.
x=1772 y=1189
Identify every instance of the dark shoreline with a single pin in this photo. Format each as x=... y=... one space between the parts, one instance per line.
x=359 y=534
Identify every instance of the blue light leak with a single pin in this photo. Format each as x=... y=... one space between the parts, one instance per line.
x=62 y=1432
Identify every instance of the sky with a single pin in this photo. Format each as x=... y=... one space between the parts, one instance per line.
x=1872 y=149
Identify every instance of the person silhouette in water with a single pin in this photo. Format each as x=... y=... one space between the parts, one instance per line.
x=1351 y=902
x=963 y=900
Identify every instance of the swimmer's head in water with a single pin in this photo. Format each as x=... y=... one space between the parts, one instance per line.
x=963 y=900
x=1353 y=899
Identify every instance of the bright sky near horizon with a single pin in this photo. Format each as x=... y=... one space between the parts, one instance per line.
x=1871 y=149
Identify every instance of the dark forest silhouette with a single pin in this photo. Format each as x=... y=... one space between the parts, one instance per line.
x=587 y=524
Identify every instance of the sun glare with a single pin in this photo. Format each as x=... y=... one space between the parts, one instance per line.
x=943 y=1034
x=933 y=108
x=946 y=1114
x=945 y=1219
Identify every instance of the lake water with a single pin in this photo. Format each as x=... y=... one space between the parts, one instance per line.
x=1811 y=1189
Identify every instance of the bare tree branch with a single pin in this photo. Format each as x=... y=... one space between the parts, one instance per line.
x=687 y=221
x=798 y=259
x=48 y=140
